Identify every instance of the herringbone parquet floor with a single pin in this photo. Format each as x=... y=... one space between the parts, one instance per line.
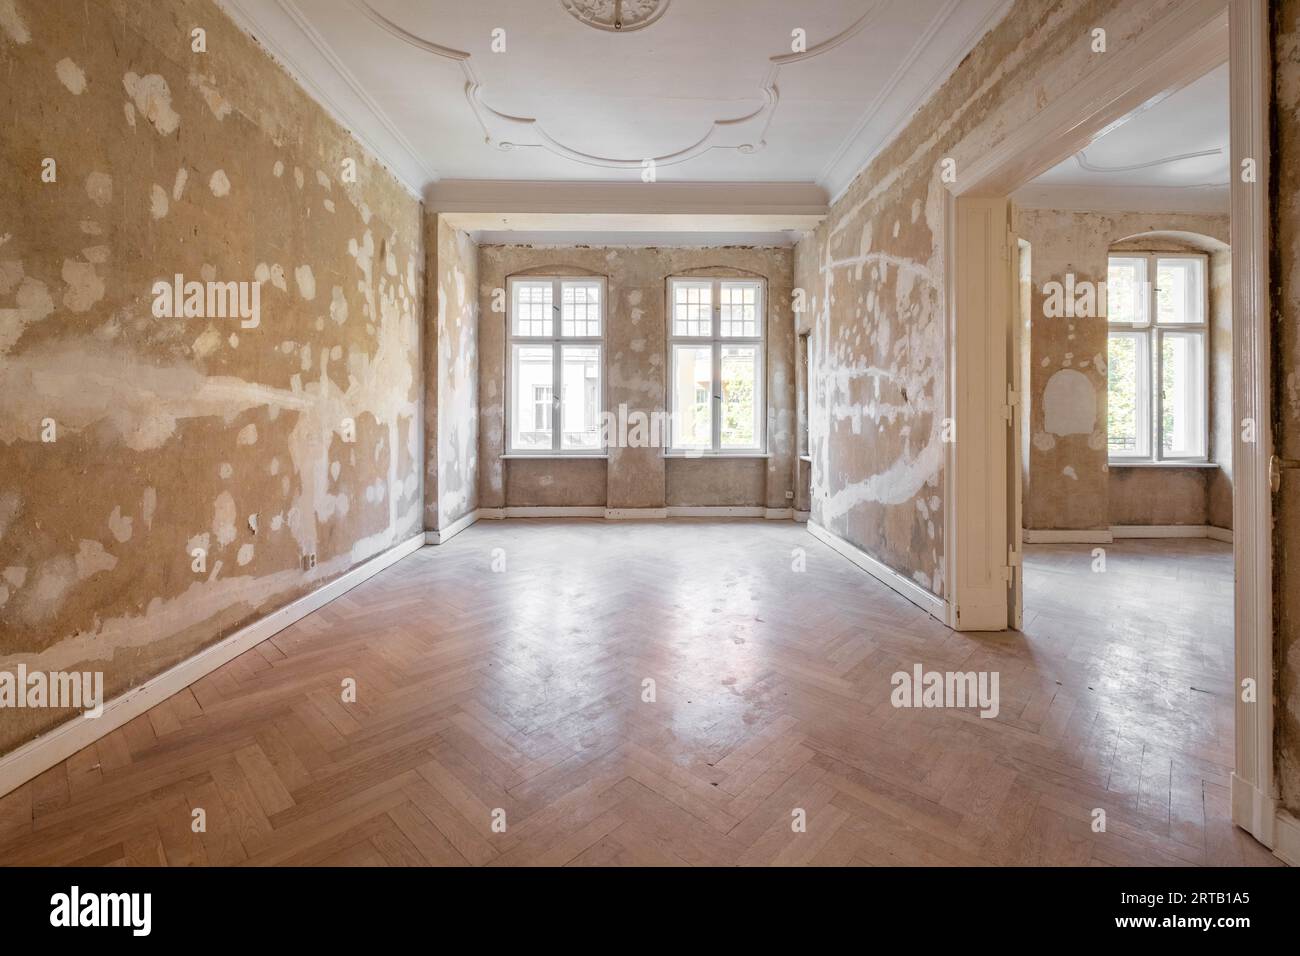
x=515 y=696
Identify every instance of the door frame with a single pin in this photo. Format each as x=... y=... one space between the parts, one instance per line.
x=1191 y=39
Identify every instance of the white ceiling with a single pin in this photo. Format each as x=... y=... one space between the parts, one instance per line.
x=710 y=90
x=1172 y=155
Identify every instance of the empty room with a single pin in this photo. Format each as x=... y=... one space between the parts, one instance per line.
x=638 y=433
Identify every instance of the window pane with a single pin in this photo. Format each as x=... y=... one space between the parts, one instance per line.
x=1126 y=418
x=532 y=384
x=580 y=308
x=741 y=396
x=580 y=398
x=1126 y=295
x=739 y=305
x=532 y=308
x=1180 y=291
x=692 y=308
x=1182 y=395
x=692 y=423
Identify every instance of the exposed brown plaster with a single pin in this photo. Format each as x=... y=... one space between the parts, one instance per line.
x=177 y=433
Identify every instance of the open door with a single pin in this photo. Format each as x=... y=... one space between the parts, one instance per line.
x=1017 y=335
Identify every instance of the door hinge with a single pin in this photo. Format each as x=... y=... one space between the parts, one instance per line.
x=1009 y=409
x=1013 y=562
x=1275 y=466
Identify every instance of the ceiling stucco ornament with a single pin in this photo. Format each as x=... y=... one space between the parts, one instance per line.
x=618 y=16
x=744 y=134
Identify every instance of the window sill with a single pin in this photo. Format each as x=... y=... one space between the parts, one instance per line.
x=575 y=456
x=1163 y=464
x=716 y=454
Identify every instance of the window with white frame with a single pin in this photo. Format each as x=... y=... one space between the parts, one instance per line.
x=556 y=387
x=1157 y=381
x=716 y=363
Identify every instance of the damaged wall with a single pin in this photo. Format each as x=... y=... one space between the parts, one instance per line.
x=451 y=374
x=636 y=346
x=130 y=439
x=1069 y=485
x=873 y=273
x=1285 y=171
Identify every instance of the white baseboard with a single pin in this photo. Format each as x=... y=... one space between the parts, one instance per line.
x=1253 y=811
x=1159 y=531
x=37 y=756
x=801 y=516
x=1286 y=829
x=1053 y=536
x=631 y=514
x=886 y=575
x=1118 y=531
x=443 y=535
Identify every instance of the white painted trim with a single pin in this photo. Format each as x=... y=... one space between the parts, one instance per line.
x=778 y=514
x=1160 y=531
x=1286 y=831
x=37 y=756
x=930 y=603
x=410 y=170
x=1250 y=87
x=692 y=511
x=443 y=535
x=1218 y=534
x=635 y=514
x=1203 y=200
x=802 y=517
x=1253 y=811
x=1055 y=536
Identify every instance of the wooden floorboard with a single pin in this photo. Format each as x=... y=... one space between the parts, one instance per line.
x=501 y=718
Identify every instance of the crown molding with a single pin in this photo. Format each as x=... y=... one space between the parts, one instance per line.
x=1086 y=165
x=860 y=147
x=270 y=23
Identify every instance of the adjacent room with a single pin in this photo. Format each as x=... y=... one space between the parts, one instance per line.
x=636 y=432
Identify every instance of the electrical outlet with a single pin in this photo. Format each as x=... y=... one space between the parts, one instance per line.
x=789 y=494
x=309 y=560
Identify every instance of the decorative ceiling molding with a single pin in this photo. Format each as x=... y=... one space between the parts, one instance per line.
x=1081 y=158
x=616 y=16
x=405 y=162
x=745 y=134
x=1212 y=199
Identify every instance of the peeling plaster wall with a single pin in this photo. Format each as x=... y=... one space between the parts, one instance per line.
x=635 y=350
x=873 y=272
x=1285 y=276
x=256 y=444
x=1069 y=484
x=451 y=375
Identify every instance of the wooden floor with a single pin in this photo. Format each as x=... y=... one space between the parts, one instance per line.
x=520 y=691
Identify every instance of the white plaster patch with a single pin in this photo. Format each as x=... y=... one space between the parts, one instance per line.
x=278 y=169
x=207 y=88
x=1069 y=472
x=92 y=559
x=306 y=281
x=297 y=176
x=1069 y=404
x=148 y=504
x=96 y=254
x=338 y=305
x=208 y=342
x=157 y=202
x=225 y=470
x=15 y=576
x=13 y=24
x=153 y=97
x=120 y=525
x=247 y=435
x=1044 y=441
x=99 y=187
x=322 y=179
x=71 y=76
x=245 y=554
x=219 y=183
x=85 y=287
x=223 y=518
x=178 y=187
